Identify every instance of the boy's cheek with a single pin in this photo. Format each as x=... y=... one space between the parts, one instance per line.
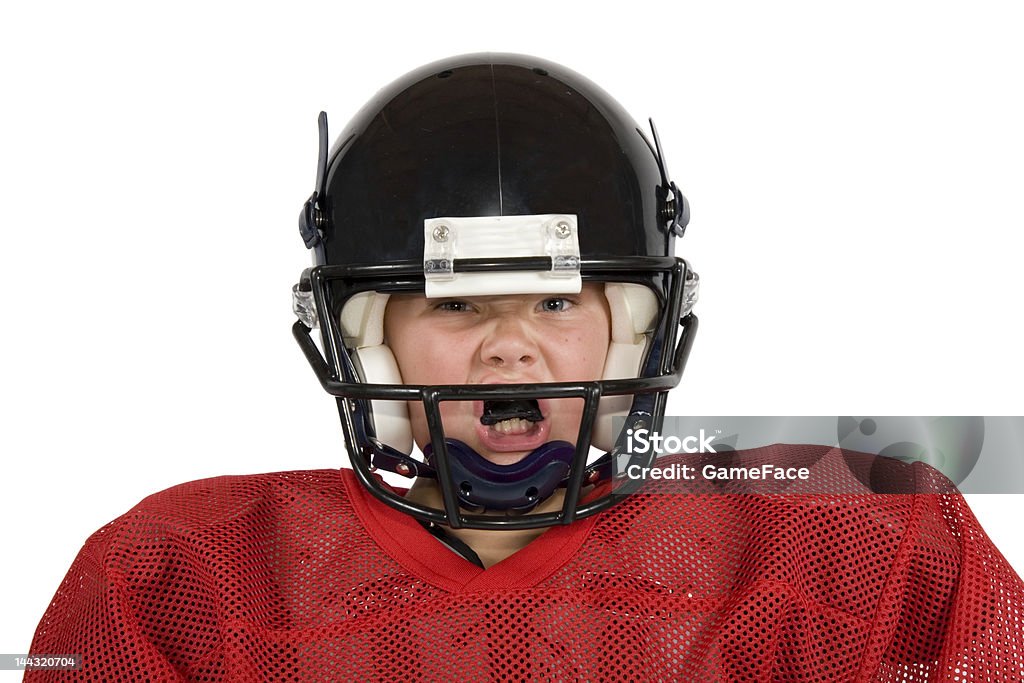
x=418 y=420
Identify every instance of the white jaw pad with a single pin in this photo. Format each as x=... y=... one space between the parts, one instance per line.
x=634 y=309
x=390 y=418
x=553 y=236
x=362 y=324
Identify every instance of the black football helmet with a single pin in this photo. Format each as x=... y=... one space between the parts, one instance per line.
x=495 y=174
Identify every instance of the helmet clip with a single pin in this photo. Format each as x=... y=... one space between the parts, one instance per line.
x=676 y=210
x=311 y=219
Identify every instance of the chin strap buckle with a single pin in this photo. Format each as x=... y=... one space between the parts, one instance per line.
x=679 y=208
x=310 y=221
x=383 y=457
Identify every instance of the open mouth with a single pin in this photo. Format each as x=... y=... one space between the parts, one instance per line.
x=512 y=425
x=511 y=417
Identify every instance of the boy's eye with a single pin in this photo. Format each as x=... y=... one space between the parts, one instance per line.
x=453 y=306
x=555 y=305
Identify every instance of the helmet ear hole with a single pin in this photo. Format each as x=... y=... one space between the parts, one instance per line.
x=634 y=309
x=362 y=324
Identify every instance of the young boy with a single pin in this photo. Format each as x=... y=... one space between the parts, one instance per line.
x=498 y=297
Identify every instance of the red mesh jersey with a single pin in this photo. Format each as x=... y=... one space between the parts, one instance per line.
x=303 y=576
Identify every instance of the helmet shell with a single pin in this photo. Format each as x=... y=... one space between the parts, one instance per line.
x=490 y=135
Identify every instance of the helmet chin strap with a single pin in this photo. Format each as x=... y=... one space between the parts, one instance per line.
x=518 y=487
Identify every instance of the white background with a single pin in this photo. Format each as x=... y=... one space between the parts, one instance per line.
x=855 y=176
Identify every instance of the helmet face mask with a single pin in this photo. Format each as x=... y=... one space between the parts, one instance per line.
x=394 y=216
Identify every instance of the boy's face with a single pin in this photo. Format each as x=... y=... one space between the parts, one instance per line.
x=507 y=339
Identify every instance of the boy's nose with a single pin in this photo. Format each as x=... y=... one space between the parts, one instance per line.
x=508 y=344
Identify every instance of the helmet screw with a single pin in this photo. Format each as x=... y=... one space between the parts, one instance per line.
x=593 y=476
x=403 y=469
x=441 y=233
x=562 y=230
x=640 y=424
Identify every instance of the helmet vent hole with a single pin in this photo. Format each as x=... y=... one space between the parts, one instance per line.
x=532 y=493
x=445 y=74
x=465 y=488
x=539 y=71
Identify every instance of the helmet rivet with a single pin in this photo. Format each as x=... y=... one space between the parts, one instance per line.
x=593 y=476
x=441 y=233
x=562 y=230
x=639 y=424
x=403 y=469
